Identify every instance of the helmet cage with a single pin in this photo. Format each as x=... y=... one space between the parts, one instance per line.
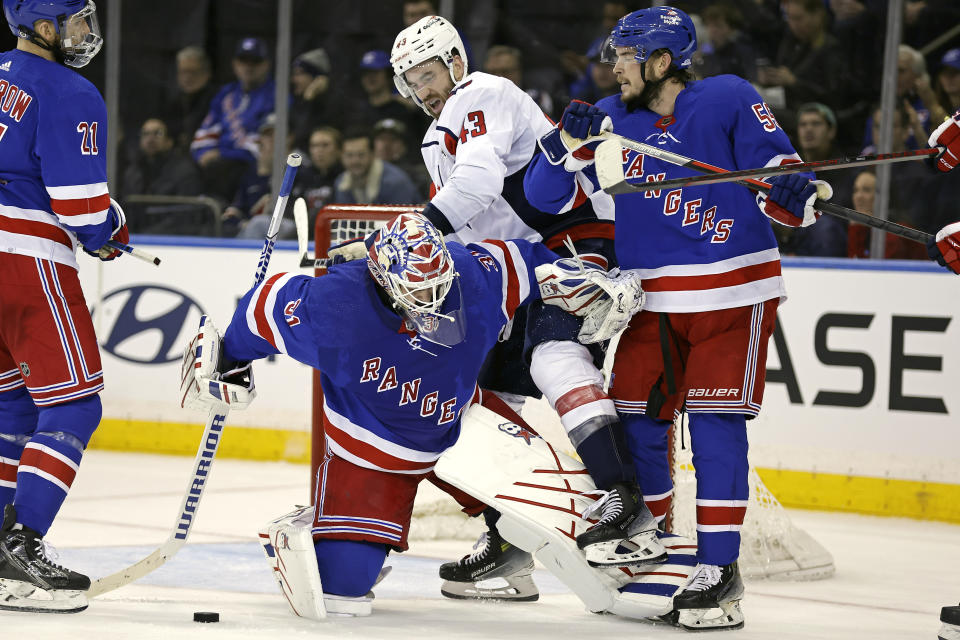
x=409 y=258
x=79 y=30
x=648 y=30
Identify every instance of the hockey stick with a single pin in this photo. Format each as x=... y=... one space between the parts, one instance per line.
x=609 y=166
x=210 y=440
x=796 y=167
x=135 y=252
x=303 y=238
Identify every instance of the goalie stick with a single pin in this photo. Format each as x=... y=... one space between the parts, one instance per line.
x=609 y=165
x=210 y=440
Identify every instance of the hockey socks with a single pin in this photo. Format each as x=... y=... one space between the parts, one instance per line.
x=602 y=446
x=50 y=460
x=19 y=422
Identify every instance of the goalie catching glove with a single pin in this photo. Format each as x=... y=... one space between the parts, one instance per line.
x=207 y=379
x=605 y=301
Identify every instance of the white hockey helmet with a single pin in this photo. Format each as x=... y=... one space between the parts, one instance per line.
x=428 y=38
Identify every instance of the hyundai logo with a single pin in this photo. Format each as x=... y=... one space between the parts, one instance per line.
x=148 y=324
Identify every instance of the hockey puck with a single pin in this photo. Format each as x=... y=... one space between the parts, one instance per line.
x=206 y=616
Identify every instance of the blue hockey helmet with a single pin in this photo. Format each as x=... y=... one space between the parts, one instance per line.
x=75 y=22
x=648 y=30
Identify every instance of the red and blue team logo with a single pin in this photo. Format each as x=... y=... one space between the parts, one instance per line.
x=515 y=430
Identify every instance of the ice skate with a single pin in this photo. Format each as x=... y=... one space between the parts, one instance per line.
x=625 y=534
x=711 y=600
x=494 y=558
x=29 y=580
x=950 y=617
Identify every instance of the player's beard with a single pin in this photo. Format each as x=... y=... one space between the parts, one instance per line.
x=648 y=95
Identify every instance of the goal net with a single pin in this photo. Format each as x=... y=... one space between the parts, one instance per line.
x=771 y=545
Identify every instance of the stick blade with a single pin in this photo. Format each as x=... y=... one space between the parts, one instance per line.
x=301 y=219
x=608 y=160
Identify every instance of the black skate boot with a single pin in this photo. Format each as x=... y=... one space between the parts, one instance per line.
x=711 y=600
x=494 y=558
x=950 y=617
x=29 y=580
x=626 y=533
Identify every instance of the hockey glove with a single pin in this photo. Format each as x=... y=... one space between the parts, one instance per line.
x=208 y=379
x=120 y=233
x=791 y=198
x=944 y=248
x=625 y=298
x=947 y=138
x=573 y=142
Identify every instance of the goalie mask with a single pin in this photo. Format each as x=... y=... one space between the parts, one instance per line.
x=410 y=260
x=428 y=38
x=648 y=30
x=74 y=20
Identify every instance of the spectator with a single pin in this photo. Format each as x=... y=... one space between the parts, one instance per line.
x=414 y=10
x=915 y=92
x=390 y=145
x=380 y=99
x=729 y=51
x=248 y=216
x=816 y=140
x=315 y=182
x=598 y=81
x=225 y=145
x=858 y=238
x=315 y=102
x=575 y=64
x=506 y=62
x=160 y=169
x=369 y=180
x=184 y=109
x=810 y=66
x=948 y=81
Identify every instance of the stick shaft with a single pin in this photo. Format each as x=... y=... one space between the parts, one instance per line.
x=833 y=209
x=293 y=163
x=797 y=167
x=133 y=251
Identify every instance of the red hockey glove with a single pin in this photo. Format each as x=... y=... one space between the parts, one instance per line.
x=947 y=138
x=944 y=248
x=791 y=197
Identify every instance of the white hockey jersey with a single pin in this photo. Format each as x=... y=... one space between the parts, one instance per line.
x=477 y=153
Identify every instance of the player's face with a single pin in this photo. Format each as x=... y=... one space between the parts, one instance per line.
x=432 y=84
x=629 y=74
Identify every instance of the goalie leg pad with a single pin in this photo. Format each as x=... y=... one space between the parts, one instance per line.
x=288 y=545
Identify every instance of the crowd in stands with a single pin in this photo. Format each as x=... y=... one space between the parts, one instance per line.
x=817 y=64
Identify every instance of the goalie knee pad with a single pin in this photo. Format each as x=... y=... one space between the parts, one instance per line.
x=349 y=567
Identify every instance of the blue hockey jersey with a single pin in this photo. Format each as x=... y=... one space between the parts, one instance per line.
x=703 y=247
x=53 y=163
x=232 y=123
x=392 y=400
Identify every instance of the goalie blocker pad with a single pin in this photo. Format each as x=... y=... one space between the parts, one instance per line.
x=540 y=493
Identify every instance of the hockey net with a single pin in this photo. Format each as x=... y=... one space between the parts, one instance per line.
x=771 y=545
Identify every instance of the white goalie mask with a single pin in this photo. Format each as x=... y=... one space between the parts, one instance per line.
x=410 y=260
x=428 y=38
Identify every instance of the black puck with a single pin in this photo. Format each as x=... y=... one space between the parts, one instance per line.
x=206 y=616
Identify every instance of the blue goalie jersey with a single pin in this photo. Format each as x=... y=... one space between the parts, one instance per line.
x=53 y=167
x=392 y=399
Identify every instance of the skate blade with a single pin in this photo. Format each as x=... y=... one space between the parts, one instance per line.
x=726 y=617
x=16 y=595
x=518 y=589
x=640 y=549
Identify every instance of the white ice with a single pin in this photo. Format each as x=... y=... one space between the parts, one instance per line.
x=893 y=575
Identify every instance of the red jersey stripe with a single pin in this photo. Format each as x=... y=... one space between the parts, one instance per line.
x=370 y=453
x=733 y=278
x=36 y=229
x=513 y=284
x=80 y=206
x=259 y=311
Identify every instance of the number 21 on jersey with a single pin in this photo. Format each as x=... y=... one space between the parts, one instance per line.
x=88 y=145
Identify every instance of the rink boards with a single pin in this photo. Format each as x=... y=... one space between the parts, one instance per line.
x=860 y=410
